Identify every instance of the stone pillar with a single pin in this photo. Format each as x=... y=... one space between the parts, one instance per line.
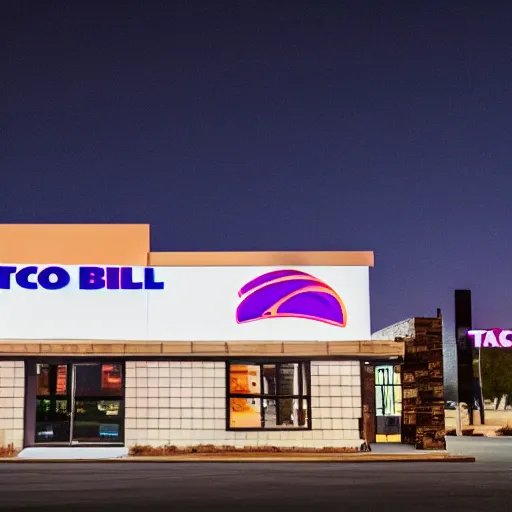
x=423 y=390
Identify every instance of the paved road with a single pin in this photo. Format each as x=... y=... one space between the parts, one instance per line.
x=485 y=486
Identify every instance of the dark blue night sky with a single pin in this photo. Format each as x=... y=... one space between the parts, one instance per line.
x=279 y=125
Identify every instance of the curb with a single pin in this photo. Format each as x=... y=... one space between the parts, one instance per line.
x=228 y=459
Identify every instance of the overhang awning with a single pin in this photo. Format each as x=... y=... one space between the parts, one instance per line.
x=51 y=348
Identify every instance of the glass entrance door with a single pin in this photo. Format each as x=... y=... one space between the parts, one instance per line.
x=388 y=403
x=98 y=410
x=80 y=403
x=53 y=403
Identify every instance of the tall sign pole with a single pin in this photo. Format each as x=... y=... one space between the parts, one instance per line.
x=463 y=324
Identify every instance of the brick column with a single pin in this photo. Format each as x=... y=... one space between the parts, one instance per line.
x=423 y=390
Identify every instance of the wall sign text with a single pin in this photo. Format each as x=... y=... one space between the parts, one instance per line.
x=497 y=338
x=89 y=278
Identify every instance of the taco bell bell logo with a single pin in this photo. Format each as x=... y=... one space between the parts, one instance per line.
x=292 y=294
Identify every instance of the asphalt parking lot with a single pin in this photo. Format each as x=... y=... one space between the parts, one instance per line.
x=483 y=485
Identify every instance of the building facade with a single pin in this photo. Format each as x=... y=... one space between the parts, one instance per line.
x=103 y=342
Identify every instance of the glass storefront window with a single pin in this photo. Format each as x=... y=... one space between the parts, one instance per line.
x=98 y=380
x=52 y=379
x=52 y=421
x=246 y=412
x=269 y=396
x=270 y=410
x=111 y=378
x=244 y=379
x=97 y=421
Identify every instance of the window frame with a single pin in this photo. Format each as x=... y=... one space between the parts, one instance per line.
x=304 y=395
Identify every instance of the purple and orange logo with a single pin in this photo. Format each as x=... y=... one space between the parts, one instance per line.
x=290 y=293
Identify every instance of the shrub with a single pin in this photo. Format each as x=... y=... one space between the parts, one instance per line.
x=8 y=451
x=504 y=431
x=169 y=450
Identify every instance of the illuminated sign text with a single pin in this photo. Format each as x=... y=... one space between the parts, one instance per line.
x=89 y=278
x=498 y=338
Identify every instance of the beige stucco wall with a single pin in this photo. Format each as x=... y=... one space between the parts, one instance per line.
x=12 y=396
x=183 y=403
x=75 y=244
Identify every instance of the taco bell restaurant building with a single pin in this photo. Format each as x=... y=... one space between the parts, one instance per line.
x=104 y=342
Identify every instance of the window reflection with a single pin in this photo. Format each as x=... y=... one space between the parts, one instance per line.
x=270 y=409
x=98 y=380
x=299 y=416
x=270 y=379
x=286 y=411
x=97 y=420
x=43 y=379
x=51 y=379
x=288 y=379
x=52 y=421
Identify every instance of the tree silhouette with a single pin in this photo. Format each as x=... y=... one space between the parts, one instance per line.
x=496 y=366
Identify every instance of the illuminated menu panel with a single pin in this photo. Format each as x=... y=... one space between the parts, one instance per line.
x=62 y=378
x=111 y=377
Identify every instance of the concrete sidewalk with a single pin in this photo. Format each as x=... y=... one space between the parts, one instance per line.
x=264 y=457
